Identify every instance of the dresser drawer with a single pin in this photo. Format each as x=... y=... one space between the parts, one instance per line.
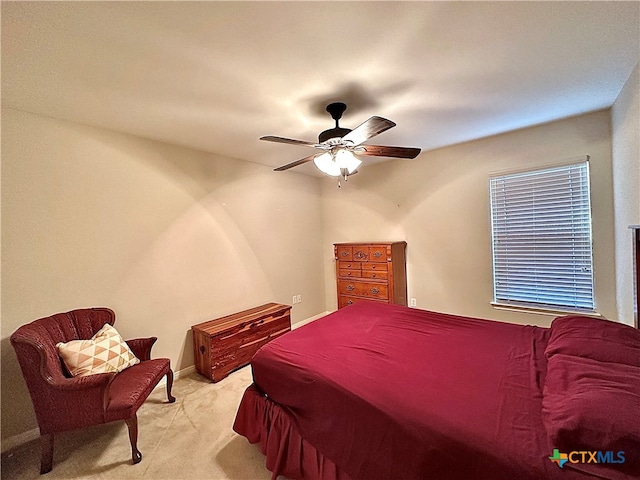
x=363 y=289
x=344 y=252
x=373 y=290
x=376 y=274
x=345 y=300
x=378 y=253
x=350 y=273
x=348 y=287
x=361 y=253
x=349 y=265
x=374 y=266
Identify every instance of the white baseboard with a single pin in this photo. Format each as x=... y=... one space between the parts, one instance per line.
x=308 y=320
x=33 y=434
x=184 y=371
x=176 y=375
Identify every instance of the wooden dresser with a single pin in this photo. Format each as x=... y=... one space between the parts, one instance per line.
x=371 y=271
x=225 y=344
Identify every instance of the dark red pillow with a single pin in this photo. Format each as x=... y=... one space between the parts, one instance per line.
x=589 y=405
x=594 y=338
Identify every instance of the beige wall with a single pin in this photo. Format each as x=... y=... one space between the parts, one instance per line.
x=439 y=204
x=625 y=119
x=167 y=237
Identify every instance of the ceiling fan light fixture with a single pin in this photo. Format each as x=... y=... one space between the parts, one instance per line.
x=346 y=159
x=326 y=164
x=342 y=144
x=334 y=163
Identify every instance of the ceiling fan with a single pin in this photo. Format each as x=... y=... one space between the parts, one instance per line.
x=340 y=146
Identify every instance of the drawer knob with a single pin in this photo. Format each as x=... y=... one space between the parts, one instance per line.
x=350 y=288
x=375 y=291
x=374 y=275
x=344 y=254
x=350 y=302
x=377 y=254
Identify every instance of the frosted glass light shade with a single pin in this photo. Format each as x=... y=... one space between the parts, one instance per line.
x=326 y=164
x=333 y=164
x=346 y=159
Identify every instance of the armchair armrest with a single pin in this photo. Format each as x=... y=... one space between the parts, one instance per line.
x=98 y=381
x=94 y=388
x=141 y=347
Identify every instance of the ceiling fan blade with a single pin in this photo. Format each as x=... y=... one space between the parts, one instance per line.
x=271 y=138
x=295 y=164
x=370 y=128
x=384 y=151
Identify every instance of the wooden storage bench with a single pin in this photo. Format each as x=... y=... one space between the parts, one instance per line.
x=225 y=344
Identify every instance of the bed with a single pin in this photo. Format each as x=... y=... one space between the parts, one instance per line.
x=377 y=391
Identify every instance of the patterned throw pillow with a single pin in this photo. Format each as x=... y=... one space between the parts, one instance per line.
x=105 y=352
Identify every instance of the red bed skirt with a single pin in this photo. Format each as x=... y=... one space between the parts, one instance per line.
x=262 y=421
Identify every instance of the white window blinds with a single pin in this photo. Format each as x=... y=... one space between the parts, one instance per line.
x=541 y=236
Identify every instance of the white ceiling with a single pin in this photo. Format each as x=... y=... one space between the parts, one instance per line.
x=216 y=76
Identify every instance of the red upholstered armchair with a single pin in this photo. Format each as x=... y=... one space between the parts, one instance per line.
x=62 y=402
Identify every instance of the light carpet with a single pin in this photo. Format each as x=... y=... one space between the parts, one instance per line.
x=189 y=439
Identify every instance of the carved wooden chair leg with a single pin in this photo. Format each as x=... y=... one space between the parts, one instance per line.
x=46 y=461
x=170 y=386
x=132 y=424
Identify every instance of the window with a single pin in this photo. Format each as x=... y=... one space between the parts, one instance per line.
x=541 y=238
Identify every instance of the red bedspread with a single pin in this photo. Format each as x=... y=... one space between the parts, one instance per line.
x=387 y=392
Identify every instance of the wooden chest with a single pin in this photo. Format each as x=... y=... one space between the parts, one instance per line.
x=228 y=343
x=371 y=271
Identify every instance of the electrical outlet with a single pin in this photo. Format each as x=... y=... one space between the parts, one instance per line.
x=412 y=302
x=298 y=298
x=295 y=300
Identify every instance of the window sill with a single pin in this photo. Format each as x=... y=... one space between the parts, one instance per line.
x=543 y=311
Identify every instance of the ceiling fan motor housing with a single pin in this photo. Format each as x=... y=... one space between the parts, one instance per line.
x=333 y=133
x=336 y=110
